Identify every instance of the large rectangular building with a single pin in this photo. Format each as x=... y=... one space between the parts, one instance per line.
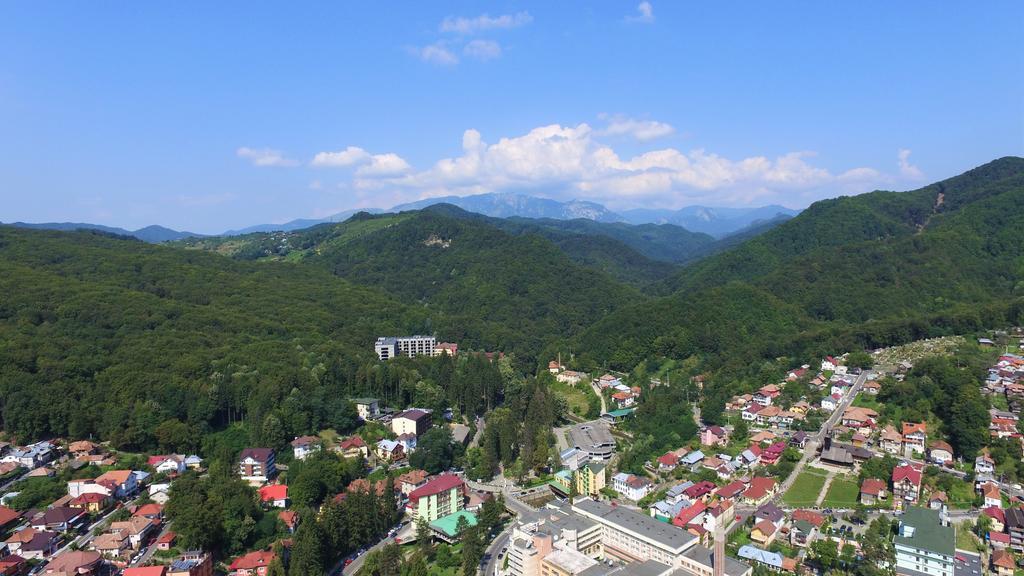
x=388 y=347
x=924 y=546
x=593 y=439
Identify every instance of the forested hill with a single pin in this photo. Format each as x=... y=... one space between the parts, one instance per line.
x=846 y=273
x=494 y=290
x=112 y=337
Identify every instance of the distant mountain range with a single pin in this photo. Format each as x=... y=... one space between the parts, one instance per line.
x=715 y=222
x=154 y=234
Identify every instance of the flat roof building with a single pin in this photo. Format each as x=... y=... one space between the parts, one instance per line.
x=593 y=439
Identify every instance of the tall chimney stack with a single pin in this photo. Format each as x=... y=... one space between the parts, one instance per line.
x=718 y=553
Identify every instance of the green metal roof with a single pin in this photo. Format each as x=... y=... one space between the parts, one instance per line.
x=449 y=524
x=928 y=532
x=622 y=412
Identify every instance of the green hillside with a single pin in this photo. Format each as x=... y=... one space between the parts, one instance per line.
x=494 y=290
x=851 y=272
x=126 y=341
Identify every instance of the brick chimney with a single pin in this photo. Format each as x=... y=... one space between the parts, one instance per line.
x=718 y=554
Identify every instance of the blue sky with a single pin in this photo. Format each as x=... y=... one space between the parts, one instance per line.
x=209 y=116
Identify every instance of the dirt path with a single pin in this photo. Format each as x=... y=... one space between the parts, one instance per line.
x=824 y=489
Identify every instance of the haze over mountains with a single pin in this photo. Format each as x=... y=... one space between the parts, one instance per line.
x=716 y=222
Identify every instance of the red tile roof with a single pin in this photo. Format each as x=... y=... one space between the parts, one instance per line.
x=436 y=485
x=809 y=516
x=873 y=486
x=253 y=560
x=900 y=473
x=145 y=571
x=759 y=488
x=686 y=515
x=7 y=515
x=996 y=513
x=272 y=492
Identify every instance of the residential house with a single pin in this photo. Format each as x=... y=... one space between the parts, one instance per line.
x=252 y=564
x=571 y=377
x=750 y=412
x=257 y=465
x=304 y=446
x=75 y=563
x=31 y=456
x=166 y=541
x=768 y=415
x=829 y=364
x=1002 y=564
x=915 y=435
x=990 y=492
x=623 y=399
x=763 y=437
x=924 y=545
x=8 y=517
x=159 y=570
x=413 y=421
x=692 y=515
x=798 y=439
x=137 y=528
x=439 y=497
x=631 y=486
x=160 y=492
x=732 y=490
x=891 y=441
x=367 y=408
x=58 y=519
x=275 y=495
x=353 y=447
x=759 y=491
x=940 y=452
x=871 y=387
x=410 y=481
x=830 y=403
x=13 y=565
x=113 y=545
x=906 y=484
x=772 y=454
x=998 y=540
x=772 y=560
x=1015 y=528
x=192 y=563
x=167 y=464
x=408 y=442
x=82 y=448
x=700 y=491
x=859 y=417
x=714 y=436
x=984 y=464
x=32 y=544
x=998 y=517
x=872 y=491
x=764 y=532
x=193 y=462
x=667 y=462
x=805 y=527
x=390 y=450
x=937 y=500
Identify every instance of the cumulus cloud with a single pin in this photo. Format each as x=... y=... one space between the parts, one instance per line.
x=571 y=161
x=264 y=157
x=644 y=13
x=482 y=49
x=463 y=25
x=908 y=170
x=436 y=53
x=369 y=165
x=642 y=130
x=347 y=157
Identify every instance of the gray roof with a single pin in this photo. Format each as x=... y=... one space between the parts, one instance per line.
x=646 y=568
x=756 y=554
x=663 y=534
x=704 y=556
x=678 y=489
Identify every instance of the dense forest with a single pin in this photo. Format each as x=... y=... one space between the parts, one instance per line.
x=846 y=274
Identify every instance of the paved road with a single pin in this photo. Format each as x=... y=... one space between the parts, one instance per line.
x=152 y=547
x=597 y=390
x=811 y=448
x=492 y=555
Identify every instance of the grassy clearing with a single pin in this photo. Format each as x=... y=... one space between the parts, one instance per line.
x=842 y=493
x=579 y=398
x=805 y=489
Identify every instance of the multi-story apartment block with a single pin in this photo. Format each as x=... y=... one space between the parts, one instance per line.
x=388 y=347
x=439 y=497
x=924 y=545
x=256 y=465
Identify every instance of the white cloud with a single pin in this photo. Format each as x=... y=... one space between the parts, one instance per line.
x=264 y=157
x=908 y=170
x=642 y=130
x=347 y=157
x=571 y=161
x=384 y=165
x=482 y=49
x=462 y=25
x=436 y=53
x=645 y=13
x=369 y=165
